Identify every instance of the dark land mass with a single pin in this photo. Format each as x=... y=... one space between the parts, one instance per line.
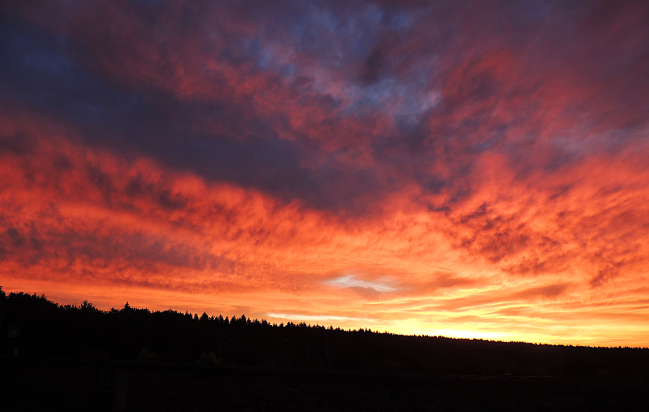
x=81 y=358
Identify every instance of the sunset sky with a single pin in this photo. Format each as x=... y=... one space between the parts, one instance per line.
x=458 y=168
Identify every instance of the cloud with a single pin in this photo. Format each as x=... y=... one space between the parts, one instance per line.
x=484 y=155
x=551 y=291
x=316 y=318
x=352 y=281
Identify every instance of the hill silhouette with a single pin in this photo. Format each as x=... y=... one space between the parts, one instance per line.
x=131 y=334
x=80 y=358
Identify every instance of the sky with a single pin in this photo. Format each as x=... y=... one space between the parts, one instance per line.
x=474 y=169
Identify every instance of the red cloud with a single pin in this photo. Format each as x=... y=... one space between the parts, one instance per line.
x=484 y=160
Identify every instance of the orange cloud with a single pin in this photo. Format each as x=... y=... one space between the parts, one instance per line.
x=131 y=230
x=441 y=169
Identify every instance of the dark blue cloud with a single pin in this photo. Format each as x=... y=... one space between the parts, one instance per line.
x=454 y=80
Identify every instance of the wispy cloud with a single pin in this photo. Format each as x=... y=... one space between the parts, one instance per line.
x=319 y=318
x=353 y=281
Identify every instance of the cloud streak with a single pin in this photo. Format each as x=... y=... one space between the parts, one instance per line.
x=352 y=281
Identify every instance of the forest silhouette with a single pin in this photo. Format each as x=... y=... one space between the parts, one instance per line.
x=131 y=334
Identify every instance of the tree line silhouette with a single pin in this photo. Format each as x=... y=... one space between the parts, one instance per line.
x=131 y=334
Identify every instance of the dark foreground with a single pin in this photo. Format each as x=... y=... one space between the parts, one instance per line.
x=30 y=383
